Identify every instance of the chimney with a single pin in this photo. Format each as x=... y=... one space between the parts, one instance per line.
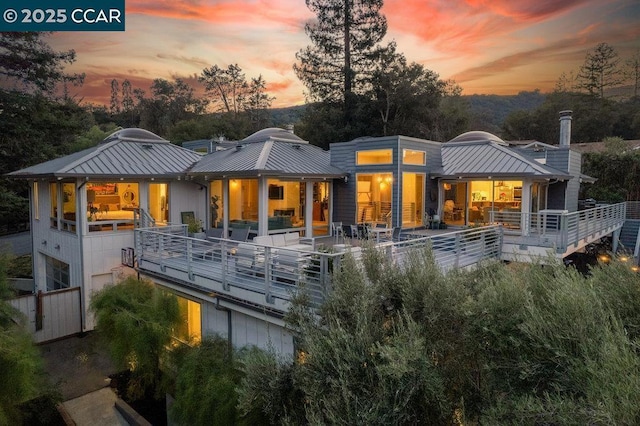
x=565 y=128
x=289 y=128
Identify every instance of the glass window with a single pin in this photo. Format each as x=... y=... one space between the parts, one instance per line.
x=190 y=328
x=111 y=205
x=410 y=156
x=320 y=208
x=374 y=197
x=243 y=203
x=57 y=274
x=159 y=202
x=36 y=202
x=53 y=195
x=216 y=206
x=412 y=199
x=374 y=156
x=495 y=201
x=69 y=207
x=286 y=204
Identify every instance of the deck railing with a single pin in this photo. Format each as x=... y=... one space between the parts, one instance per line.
x=560 y=228
x=268 y=276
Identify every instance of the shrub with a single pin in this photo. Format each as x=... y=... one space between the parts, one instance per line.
x=136 y=320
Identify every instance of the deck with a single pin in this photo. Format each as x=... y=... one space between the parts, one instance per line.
x=265 y=278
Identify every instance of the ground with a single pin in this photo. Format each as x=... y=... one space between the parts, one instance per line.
x=78 y=364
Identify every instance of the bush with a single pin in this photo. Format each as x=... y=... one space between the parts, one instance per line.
x=502 y=344
x=136 y=319
x=206 y=380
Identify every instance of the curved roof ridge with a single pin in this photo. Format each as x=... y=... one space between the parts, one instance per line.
x=134 y=134
x=273 y=133
x=475 y=136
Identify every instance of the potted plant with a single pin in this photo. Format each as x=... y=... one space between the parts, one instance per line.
x=194 y=228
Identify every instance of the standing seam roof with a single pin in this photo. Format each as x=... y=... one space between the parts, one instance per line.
x=489 y=158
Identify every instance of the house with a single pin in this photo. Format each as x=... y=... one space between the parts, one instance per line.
x=120 y=207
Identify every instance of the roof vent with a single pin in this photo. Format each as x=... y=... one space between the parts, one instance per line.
x=147 y=146
x=296 y=146
x=239 y=147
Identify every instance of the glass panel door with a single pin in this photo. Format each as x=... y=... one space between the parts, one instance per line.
x=412 y=199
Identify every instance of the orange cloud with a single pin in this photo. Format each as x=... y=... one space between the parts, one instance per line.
x=274 y=88
x=198 y=62
x=244 y=12
x=469 y=26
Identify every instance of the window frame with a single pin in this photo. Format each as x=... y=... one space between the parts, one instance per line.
x=414 y=151
x=384 y=151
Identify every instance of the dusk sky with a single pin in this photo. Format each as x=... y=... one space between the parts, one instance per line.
x=486 y=46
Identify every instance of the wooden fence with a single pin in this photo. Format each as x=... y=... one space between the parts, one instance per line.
x=51 y=315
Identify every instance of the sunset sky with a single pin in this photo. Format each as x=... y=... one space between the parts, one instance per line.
x=487 y=46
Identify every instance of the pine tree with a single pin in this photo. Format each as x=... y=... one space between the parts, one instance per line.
x=27 y=59
x=114 y=106
x=345 y=47
x=600 y=70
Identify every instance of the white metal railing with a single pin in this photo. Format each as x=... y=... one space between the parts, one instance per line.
x=143 y=219
x=559 y=227
x=222 y=265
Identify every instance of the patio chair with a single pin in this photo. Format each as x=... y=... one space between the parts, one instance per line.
x=396 y=235
x=214 y=232
x=336 y=231
x=347 y=231
x=240 y=234
x=249 y=260
x=363 y=231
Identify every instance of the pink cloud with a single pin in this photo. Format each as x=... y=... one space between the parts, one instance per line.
x=241 y=12
x=469 y=26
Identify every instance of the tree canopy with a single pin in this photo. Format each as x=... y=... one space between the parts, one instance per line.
x=28 y=63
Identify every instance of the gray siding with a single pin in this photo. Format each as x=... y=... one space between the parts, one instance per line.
x=558 y=159
x=343 y=156
x=344 y=194
x=573 y=186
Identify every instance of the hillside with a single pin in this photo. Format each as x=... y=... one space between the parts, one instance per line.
x=487 y=111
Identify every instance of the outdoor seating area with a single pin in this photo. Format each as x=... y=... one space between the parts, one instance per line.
x=378 y=232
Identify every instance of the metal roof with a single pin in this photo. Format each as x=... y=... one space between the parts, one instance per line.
x=123 y=154
x=273 y=133
x=273 y=157
x=490 y=159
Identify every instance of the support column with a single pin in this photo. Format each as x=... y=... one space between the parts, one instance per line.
x=263 y=206
x=225 y=207
x=308 y=209
x=525 y=208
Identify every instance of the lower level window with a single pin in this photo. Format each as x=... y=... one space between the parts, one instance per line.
x=57 y=274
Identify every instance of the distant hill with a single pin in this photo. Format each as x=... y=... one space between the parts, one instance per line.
x=280 y=117
x=487 y=111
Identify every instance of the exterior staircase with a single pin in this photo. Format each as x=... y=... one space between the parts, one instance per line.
x=629 y=235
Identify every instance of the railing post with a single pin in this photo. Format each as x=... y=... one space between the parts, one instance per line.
x=458 y=249
x=225 y=257
x=267 y=275
x=564 y=231
x=190 y=258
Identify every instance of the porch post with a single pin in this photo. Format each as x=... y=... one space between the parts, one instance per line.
x=308 y=208
x=525 y=208
x=225 y=207
x=263 y=206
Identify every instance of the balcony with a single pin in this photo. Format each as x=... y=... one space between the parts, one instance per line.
x=265 y=278
x=558 y=233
